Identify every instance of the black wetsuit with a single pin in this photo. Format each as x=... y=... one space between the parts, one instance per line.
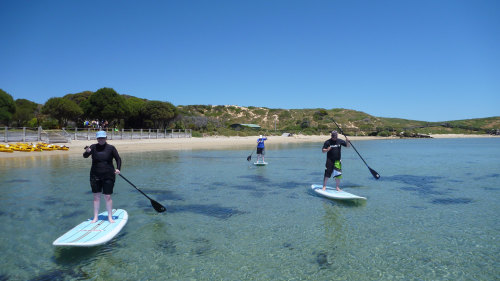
x=333 y=155
x=102 y=172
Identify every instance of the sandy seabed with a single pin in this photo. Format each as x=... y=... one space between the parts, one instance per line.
x=76 y=147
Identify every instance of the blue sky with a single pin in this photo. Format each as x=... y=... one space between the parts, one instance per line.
x=429 y=60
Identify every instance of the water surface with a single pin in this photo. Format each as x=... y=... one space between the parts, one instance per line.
x=433 y=215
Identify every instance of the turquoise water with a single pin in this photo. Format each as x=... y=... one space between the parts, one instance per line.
x=432 y=216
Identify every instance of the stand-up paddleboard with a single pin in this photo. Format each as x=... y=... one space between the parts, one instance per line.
x=88 y=234
x=260 y=163
x=331 y=192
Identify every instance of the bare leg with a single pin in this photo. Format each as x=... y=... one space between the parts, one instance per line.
x=337 y=180
x=324 y=183
x=97 y=203
x=109 y=207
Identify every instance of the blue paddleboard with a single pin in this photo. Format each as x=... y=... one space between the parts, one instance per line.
x=88 y=234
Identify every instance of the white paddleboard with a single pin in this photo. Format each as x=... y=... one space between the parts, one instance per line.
x=88 y=234
x=331 y=192
x=260 y=163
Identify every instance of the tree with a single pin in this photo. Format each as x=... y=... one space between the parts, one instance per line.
x=318 y=115
x=135 y=106
x=62 y=109
x=105 y=104
x=160 y=113
x=305 y=123
x=25 y=111
x=7 y=107
x=78 y=98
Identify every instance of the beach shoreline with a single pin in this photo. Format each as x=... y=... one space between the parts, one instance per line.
x=212 y=142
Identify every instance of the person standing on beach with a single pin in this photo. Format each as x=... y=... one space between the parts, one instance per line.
x=102 y=172
x=261 y=148
x=333 y=158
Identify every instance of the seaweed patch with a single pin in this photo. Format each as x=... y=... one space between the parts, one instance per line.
x=255 y=178
x=450 y=201
x=288 y=184
x=213 y=210
x=167 y=246
x=202 y=247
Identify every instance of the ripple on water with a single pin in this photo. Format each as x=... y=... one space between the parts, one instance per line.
x=212 y=210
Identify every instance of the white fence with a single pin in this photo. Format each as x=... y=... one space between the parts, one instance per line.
x=128 y=134
x=25 y=134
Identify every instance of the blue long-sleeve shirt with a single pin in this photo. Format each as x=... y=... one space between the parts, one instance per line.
x=260 y=142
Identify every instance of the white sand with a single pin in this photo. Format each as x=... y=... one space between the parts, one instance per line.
x=76 y=147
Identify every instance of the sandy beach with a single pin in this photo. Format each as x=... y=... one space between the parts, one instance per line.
x=220 y=142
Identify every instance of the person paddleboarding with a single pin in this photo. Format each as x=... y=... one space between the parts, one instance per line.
x=102 y=172
x=333 y=164
x=261 y=148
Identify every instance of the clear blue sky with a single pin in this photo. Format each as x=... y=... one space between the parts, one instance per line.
x=429 y=60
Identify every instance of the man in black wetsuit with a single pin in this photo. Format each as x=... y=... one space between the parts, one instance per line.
x=103 y=173
x=333 y=156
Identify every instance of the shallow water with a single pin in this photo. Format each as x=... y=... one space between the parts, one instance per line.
x=432 y=216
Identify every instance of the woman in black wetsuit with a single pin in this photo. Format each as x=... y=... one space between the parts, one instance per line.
x=103 y=173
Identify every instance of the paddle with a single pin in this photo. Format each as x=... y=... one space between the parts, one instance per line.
x=250 y=156
x=374 y=173
x=157 y=206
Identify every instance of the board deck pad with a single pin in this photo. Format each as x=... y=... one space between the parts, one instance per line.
x=331 y=192
x=260 y=163
x=88 y=234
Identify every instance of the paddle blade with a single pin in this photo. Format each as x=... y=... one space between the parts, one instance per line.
x=374 y=173
x=249 y=158
x=157 y=206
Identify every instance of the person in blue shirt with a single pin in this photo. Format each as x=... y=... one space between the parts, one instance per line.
x=261 y=148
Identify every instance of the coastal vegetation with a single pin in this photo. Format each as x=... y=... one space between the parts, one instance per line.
x=126 y=111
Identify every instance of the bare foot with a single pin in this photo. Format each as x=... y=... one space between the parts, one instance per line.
x=110 y=220
x=94 y=220
x=338 y=189
x=324 y=187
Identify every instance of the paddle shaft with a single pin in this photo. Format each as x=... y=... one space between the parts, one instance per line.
x=157 y=206
x=134 y=186
x=374 y=173
x=250 y=156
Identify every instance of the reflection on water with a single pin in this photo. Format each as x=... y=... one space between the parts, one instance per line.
x=428 y=218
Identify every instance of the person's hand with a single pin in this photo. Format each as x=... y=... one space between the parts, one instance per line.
x=87 y=149
x=117 y=171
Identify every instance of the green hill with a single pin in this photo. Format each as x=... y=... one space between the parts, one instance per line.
x=217 y=119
